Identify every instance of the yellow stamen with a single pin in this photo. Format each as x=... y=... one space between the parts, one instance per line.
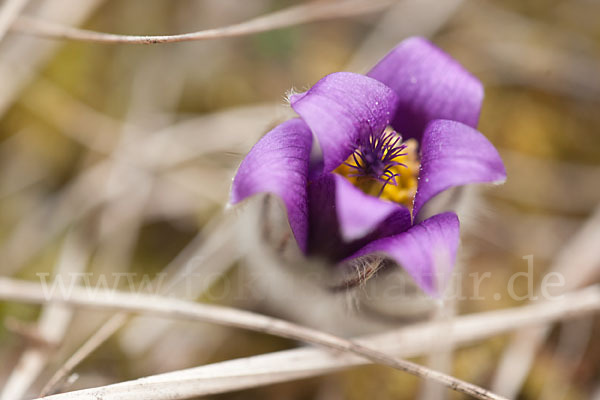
x=406 y=183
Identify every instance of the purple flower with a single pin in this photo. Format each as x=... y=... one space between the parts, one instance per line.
x=388 y=142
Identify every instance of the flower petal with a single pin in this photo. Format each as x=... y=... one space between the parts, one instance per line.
x=427 y=251
x=454 y=154
x=342 y=217
x=430 y=85
x=360 y=214
x=341 y=109
x=278 y=164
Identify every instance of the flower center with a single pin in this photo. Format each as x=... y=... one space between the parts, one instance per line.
x=385 y=167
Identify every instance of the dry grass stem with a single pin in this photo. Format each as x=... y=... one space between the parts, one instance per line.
x=243 y=319
x=291 y=16
x=89 y=346
x=302 y=363
x=587 y=301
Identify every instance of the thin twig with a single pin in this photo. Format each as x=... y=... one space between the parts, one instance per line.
x=9 y=13
x=306 y=362
x=291 y=16
x=26 y=291
x=100 y=336
x=569 y=306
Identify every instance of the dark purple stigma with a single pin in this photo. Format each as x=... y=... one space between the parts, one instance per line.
x=375 y=157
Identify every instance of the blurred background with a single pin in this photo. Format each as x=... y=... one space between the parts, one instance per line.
x=118 y=158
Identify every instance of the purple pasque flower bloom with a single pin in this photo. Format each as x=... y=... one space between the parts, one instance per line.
x=413 y=114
